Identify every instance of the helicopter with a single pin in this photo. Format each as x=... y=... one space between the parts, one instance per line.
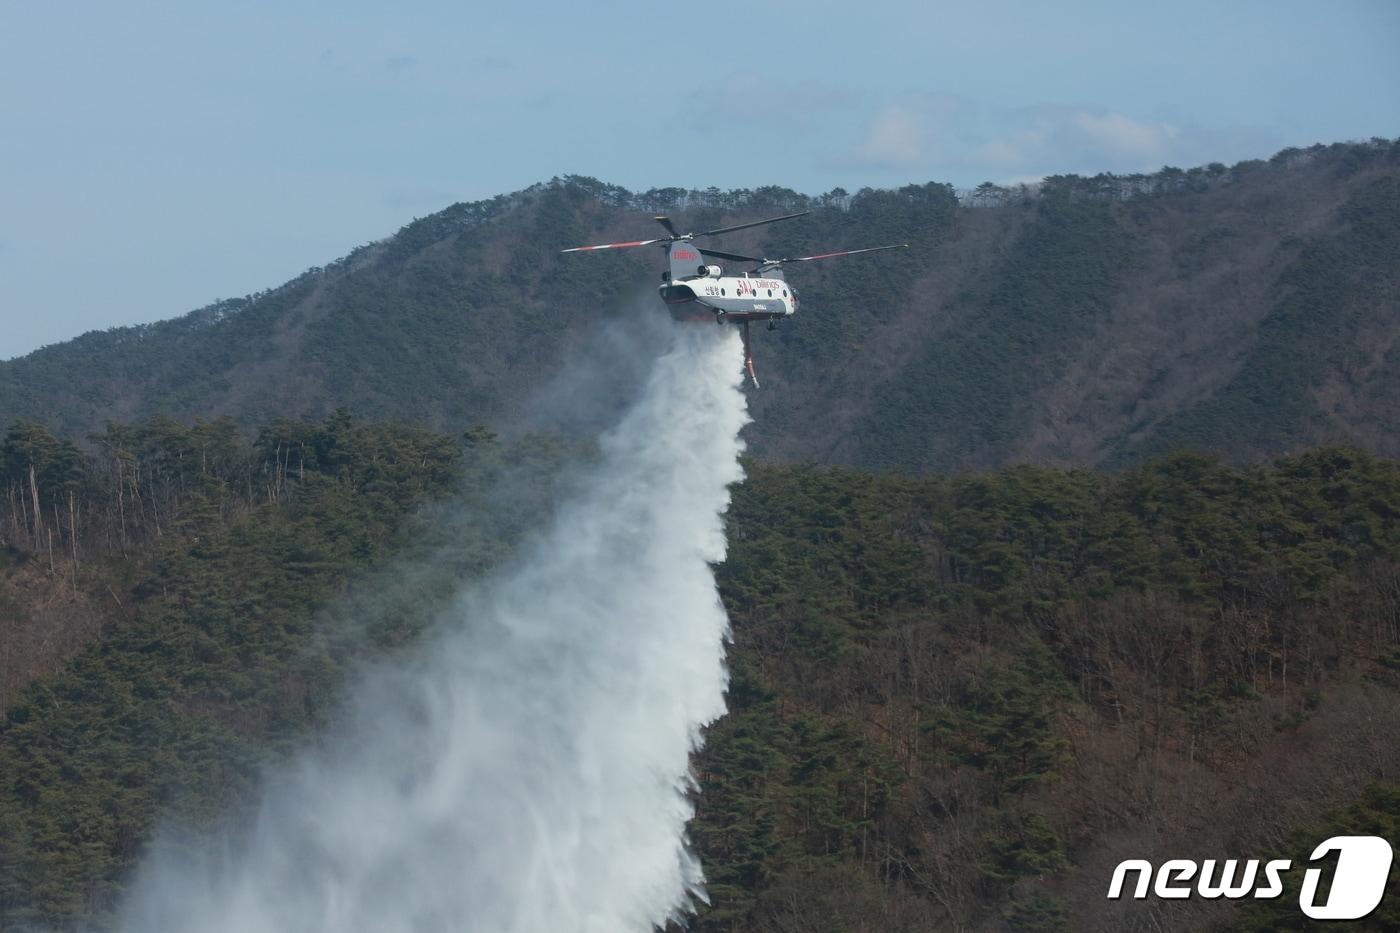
x=695 y=290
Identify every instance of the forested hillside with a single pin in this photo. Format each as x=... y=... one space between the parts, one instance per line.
x=1246 y=310
x=1071 y=534
x=956 y=701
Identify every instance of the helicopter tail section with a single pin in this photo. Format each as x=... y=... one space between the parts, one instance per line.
x=685 y=261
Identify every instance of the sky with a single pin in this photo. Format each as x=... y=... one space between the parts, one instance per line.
x=158 y=156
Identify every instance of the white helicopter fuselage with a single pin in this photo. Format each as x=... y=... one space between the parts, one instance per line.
x=729 y=298
x=695 y=290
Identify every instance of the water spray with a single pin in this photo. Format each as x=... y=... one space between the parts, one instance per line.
x=528 y=770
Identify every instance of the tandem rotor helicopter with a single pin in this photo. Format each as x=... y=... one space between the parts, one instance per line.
x=697 y=291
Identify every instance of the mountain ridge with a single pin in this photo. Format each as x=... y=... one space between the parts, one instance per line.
x=1084 y=321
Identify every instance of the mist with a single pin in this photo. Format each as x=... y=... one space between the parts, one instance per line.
x=527 y=768
x=601 y=374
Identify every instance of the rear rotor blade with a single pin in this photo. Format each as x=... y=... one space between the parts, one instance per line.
x=732 y=257
x=665 y=221
x=846 y=252
x=584 y=249
x=756 y=223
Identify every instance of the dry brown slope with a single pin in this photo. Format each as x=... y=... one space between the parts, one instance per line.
x=1188 y=312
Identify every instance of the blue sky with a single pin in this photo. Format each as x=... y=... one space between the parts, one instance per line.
x=156 y=156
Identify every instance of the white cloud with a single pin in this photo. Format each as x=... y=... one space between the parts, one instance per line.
x=952 y=138
x=904 y=134
x=1015 y=180
x=1052 y=138
x=1010 y=151
x=1121 y=135
x=893 y=140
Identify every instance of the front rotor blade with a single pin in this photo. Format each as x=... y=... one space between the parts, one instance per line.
x=732 y=257
x=756 y=223
x=584 y=249
x=847 y=252
x=665 y=221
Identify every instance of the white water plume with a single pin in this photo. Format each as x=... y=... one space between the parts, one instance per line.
x=527 y=773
